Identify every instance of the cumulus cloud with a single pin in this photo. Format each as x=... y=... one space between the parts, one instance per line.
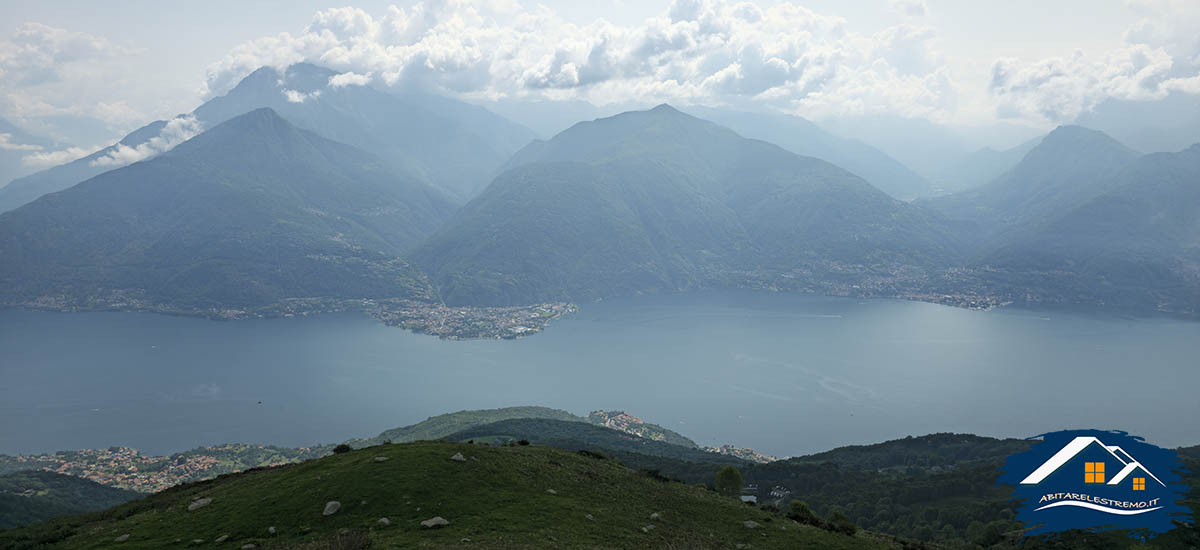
x=176 y=131
x=696 y=51
x=38 y=53
x=7 y=144
x=47 y=159
x=1160 y=54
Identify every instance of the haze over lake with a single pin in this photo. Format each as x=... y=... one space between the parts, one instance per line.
x=785 y=374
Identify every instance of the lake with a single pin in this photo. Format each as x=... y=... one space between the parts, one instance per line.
x=785 y=374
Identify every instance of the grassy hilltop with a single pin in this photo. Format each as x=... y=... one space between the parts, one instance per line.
x=498 y=497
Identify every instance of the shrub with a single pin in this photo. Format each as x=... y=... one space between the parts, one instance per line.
x=841 y=523
x=800 y=512
x=343 y=448
x=729 y=482
x=523 y=442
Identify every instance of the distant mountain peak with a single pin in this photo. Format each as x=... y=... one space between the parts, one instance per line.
x=1071 y=134
x=665 y=108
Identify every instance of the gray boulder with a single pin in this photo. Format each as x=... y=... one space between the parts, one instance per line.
x=331 y=508
x=199 y=503
x=435 y=522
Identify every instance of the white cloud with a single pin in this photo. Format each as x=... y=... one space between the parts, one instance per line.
x=1161 y=54
x=294 y=96
x=176 y=131
x=7 y=144
x=45 y=70
x=697 y=51
x=47 y=159
x=349 y=79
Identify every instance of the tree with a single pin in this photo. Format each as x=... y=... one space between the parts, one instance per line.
x=729 y=481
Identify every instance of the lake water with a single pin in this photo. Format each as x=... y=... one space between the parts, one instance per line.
x=786 y=374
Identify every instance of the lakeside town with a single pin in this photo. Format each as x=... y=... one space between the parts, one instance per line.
x=419 y=316
x=463 y=322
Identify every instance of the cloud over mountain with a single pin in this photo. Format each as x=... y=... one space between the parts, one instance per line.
x=785 y=56
x=176 y=131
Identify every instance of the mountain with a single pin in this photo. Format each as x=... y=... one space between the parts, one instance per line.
x=450 y=144
x=30 y=497
x=1137 y=244
x=498 y=497
x=976 y=168
x=1070 y=166
x=806 y=138
x=250 y=213
x=660 y=200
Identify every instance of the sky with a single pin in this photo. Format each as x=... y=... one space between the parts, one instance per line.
x=85 y=72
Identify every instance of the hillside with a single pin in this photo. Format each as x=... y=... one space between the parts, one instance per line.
x=1069 y=167
x=30 y=497
x=659 y=200
x=930 y=452
x=443 y=425
x=580 y=436
x=248 y=214
x=1136 y=245
x=498 y=497
x=453 y=145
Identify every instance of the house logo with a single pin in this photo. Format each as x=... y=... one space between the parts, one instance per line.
x=1096 y=480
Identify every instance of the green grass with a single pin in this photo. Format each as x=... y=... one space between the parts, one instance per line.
x=498 y=498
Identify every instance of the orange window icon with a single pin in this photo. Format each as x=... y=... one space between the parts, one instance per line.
x=1139 y=484
x=1093 y=472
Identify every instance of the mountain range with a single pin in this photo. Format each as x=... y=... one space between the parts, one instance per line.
x=249 y=213
x=351 y=193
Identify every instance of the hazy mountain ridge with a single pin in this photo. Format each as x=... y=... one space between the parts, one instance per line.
x=15 y=144
x=1136 y=245
x=248 y=213
x=450 y=144
x=1068 y=167
x=806 y=138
